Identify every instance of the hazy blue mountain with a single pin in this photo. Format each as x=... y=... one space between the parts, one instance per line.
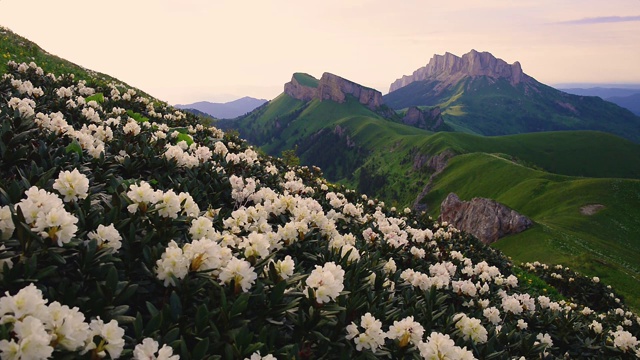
x=626 y=96
x=603 y=92
x=228 y=110
x=631 y=102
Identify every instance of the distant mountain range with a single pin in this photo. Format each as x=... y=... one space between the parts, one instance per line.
x=627 y=97
x=481 y=94
x=228 y=110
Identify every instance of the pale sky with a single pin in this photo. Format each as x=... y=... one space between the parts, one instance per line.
x=183 y=51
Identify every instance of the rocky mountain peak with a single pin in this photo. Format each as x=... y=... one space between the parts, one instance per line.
x=449 y=68
x=334 y=88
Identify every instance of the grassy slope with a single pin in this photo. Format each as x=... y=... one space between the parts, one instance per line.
x=306 y=80
x=606 y=244
x=576 y=153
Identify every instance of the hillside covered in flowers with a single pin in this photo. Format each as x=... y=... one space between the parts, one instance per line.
x=131 y=230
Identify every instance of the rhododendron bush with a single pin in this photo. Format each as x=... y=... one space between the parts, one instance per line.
x=132 y=230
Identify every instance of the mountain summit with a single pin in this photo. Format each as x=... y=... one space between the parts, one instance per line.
x=481 y=94
x=449 y=69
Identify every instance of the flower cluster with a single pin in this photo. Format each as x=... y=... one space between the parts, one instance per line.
x=325 y=282
x=168 y=204
x=38 y=328
x=46 y=215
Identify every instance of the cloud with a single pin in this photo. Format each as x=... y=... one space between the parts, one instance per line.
x=601 y=20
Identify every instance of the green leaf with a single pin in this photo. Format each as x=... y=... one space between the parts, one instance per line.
x=152 y=309
x=137 y=325
x=171 y=335
x=202 y=317
x=201 y=349
x=277 y=292
x=98 y=97
x=137 y=117
x=184 y=137
x=240 y=305
x=112 y=279
x=176 y=306
x=74 y=147
x=46 y=272
x=153 y=325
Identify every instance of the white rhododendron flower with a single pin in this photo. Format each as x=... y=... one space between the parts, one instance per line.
x=206 y=255
x=172 y=264
x=32 y=341
x=285 y=267
x=27 y=302
x=371 y=338
x=24 y=106
x=492 y=314
x=132 y=128
x=46 y=215
x=242 y=189
x=37 y=327
x=390 y=266
x=168 y=204
x=255 y=245
x=202 y=227
x=241 y=272
x=471 y=328
x=406 y=331
x=326 y=282
x=417 y=252
x=57 y=224
x=623 y=340
x=72 y=185
x=596 y=327
x=6 y=223
x=511 y=305
x=256 y=356
x=107 y=236
x=111 y=338
x=142 y=197
x=441 y=347
x=68 y=325
x=148 y=349
x=354 y=255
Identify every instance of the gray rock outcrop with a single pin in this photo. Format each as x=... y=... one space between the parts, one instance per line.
x=486 y=219
x=449 y=69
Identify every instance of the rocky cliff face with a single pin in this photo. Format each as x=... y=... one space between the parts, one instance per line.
x=424 y=119
x=486 y=219
x=299 y=91
x=449 y=68
x=334 y=88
